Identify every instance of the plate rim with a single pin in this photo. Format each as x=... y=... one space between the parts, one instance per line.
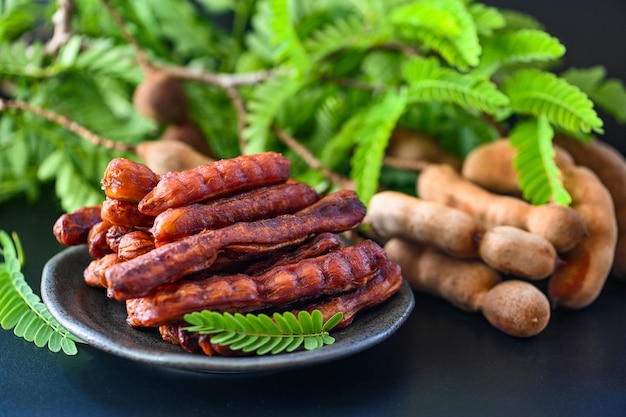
x=401 y=304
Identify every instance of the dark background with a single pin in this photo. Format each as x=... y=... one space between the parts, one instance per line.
x=442 y=362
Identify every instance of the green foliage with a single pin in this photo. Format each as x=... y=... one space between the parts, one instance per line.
x=455 y=69
x=372 y=134
x=540 y=93
x=22 y=310
x=430 y=82
x=534 y=160
x=608 y=94
x=445 y=26
x=262 y=334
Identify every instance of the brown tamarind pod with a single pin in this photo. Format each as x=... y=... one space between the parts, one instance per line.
x=514 y=251
x=491 y=166
x=395 y=214
x=515 y=307
x=161 y=97
x=166 y=156
x=189 y=133
x=561 y=225
x=413 y=145
x=610 y=166
x=578 y=281
x=128 y=180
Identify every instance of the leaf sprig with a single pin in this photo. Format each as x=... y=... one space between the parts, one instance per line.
x=262 y=334
x=22 y=310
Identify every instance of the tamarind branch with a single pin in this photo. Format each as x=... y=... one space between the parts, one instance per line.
x=310 y=159
x=67 y=123
x=222 y=80
x=62 y=20
x=142 y=59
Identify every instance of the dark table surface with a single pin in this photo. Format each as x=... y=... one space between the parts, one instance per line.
x=442 y=362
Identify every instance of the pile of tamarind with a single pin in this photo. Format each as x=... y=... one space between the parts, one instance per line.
x=469 y=237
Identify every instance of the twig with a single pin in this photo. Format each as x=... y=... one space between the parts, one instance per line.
x=222 y=80
x=142 y=59
x=352 y=83
x=409 y=165
x=68 y=124
x=310 y=159
x=62 y=20
x=242 y=115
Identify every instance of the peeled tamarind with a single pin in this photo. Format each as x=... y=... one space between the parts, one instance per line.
x=515 y=307
x=560 y=225
x=579 y=280
x=395 y=214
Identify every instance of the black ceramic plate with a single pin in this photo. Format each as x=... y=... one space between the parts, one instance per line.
x=88 y=314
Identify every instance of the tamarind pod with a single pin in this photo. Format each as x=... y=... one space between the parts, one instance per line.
x=610 y=166
x=462 y=282
x=395 y=214
x=413 y=145
x=491 y=166
x=226 y=176
x=97 y=240
x=164 y=156
x=124 y=213
x=517 y=308
x=328 y=274
x=73 y=228
x=114 y=234
x=127 y=180
x=93 y=275
x=260 y=203
x=514 y=307
x=336 y=212
x=135 y=243
x=511 y=250
x=560 y=225
x=579 y=280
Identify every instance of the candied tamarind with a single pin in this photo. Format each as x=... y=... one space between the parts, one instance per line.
x=219 y=178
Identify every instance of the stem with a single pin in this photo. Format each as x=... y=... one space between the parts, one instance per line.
x=142 y=59
x=222 y=80
x=311 y=160
x=242 y=115
x=62 y=20
x=68 y=124
x=416 y=166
